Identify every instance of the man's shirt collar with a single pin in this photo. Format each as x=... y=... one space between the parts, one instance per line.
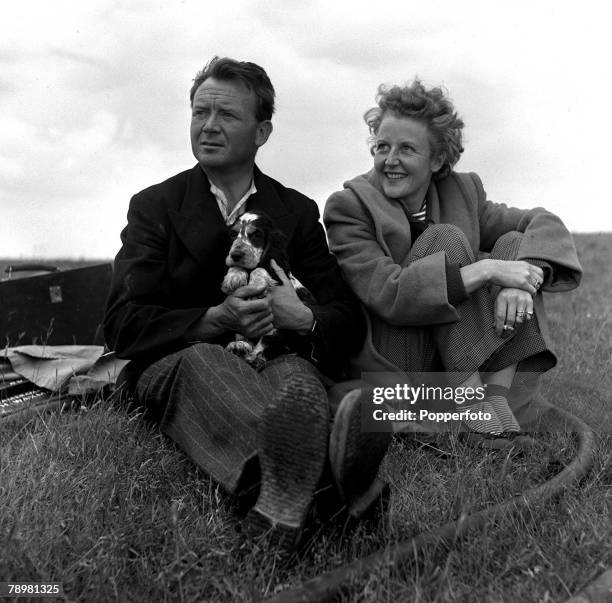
x=238 y=209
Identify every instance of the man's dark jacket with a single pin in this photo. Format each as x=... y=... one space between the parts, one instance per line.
x=170 y=267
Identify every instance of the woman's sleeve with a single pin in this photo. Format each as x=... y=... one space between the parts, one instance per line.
x=410 y=295
x=546 y=241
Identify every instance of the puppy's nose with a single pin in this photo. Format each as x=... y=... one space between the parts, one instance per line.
x=236 y=255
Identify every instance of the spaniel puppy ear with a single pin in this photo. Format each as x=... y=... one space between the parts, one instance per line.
x=276 y=250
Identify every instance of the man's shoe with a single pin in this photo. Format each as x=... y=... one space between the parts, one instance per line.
x=293 y=440
x=355 y=455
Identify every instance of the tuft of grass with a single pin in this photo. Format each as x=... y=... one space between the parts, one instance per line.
x=98 y=500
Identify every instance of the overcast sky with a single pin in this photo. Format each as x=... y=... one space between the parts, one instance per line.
x=94 y=100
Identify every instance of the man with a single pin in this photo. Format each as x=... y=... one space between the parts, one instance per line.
x=167 y=313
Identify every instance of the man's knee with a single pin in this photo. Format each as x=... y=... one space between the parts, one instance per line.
x=279 y=369
x=293 y=362
x=162 y=373
x=448 y=238
x=200 y=352
x=507 y=246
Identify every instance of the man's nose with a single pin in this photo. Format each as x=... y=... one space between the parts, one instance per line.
x=210 y=123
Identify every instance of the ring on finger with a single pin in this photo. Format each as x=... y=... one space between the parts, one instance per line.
x=508 y=328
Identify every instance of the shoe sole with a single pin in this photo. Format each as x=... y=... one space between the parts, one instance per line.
x=356 y=473
x=293 y=449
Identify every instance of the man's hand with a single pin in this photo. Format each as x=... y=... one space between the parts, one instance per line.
x=244 y=312
x=288 y=309
x=512 y=307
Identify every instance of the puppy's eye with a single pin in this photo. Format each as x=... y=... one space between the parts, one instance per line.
x=257 y=238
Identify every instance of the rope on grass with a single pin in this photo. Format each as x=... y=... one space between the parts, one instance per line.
x=325 y=586
x=599 y=591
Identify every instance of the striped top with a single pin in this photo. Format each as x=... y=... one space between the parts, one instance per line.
x=420 y=215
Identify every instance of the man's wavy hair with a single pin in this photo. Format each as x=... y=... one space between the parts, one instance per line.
x=430 y=107
x=251 y=75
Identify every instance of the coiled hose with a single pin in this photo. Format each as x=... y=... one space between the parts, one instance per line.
x=325 y=586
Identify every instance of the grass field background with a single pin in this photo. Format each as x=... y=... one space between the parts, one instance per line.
x=96 y=500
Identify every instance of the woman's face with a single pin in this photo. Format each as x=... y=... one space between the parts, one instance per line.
x=402 y=159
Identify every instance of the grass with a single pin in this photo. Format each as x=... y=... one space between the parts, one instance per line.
x=96 y=499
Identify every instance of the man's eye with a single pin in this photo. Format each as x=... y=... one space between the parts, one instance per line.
x=381 y=147
x=233 y=234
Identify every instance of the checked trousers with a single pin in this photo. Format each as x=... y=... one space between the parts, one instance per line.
x=470 y=344
x=210 y=403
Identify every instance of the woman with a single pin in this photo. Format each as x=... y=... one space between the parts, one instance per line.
x=449 y=281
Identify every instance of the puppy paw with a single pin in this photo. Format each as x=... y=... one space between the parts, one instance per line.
x=260 y=278
x=234 y=278
x=241 y=348
x=256 y=360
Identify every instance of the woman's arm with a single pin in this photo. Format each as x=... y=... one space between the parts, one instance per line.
x=546 y=243
x=412 y=294
x=513 y=274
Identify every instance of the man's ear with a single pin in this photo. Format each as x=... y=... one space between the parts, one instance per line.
x=264 y=129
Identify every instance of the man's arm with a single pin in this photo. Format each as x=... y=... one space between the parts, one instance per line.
x=140 y=318
x=290 y=312
x=339 y=329
x=244 y=312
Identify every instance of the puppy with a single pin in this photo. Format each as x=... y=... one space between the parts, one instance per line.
x=255 y=242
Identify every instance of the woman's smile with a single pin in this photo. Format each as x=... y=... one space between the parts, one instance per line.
x=402 y=159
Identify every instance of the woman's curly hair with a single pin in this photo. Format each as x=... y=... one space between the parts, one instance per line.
x=432 y=108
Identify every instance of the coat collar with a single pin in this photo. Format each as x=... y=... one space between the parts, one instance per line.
x=198 y=222
x=369 y=181
x=200 y=203
x=392 y=225
x=266 y=199
x=433 y=203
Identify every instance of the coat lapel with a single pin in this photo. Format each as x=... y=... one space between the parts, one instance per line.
x=390 y=221
x=198 y=222
x=266 y=198
x=433 y=204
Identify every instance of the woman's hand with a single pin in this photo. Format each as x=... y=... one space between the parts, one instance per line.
x=515 y=274
x=512 y=307
x=505 y=273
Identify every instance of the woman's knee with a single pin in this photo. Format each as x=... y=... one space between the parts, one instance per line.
x=507 y=246
x=448 y=238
